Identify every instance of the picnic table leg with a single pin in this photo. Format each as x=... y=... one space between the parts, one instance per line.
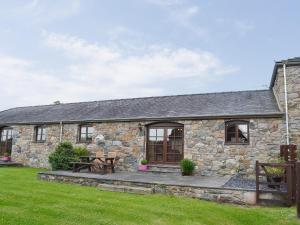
x=74 y=167
x=112 y=166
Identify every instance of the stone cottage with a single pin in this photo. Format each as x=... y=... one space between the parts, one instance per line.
x=221 y=132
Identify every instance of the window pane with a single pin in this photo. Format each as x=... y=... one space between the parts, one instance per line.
x=152 y=138
x=90 y=130
x=230 y=128
x=159 y=138
x=152 y=132
x=9 y=135
x=243 y=133
x=83 y=137
x=83 y=129
x=231 y=137
x=160 y=132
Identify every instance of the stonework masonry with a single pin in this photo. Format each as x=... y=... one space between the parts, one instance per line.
x=293 y=90
x=203 y=143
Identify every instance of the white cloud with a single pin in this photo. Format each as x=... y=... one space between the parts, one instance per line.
x=43 y=11
x=93 y=71
x=165 y=3
x=181 y=13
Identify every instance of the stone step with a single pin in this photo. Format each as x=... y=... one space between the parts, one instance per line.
x=123 y=188
x=163 y=168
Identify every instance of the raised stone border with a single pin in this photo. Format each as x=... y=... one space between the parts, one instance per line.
x=10 y=164
x=219 y=194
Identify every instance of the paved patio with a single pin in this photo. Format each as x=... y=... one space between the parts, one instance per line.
x=200 y=187
x=150 y=178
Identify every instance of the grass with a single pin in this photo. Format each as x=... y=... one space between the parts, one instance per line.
x=28 y=201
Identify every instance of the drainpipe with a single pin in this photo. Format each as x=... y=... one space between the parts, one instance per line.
x=61 y=131
x=286 y=106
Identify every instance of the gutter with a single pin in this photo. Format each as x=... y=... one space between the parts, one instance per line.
x=286 y=106
x=141 y=119
x=61 y=131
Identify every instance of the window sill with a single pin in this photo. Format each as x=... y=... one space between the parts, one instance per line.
x=39 y=142
x=84 y=142
x=236 y=143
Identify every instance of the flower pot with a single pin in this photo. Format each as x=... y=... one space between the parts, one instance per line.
x=6 y=159
x=186 y=173
x=275 y=179
x=143 y=167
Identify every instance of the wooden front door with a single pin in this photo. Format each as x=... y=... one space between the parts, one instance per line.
x=165 y=143
x=5 y=141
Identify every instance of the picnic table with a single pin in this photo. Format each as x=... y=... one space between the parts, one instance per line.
x=102 y=164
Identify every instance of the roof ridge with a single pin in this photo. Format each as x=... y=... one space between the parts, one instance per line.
x=122 y=99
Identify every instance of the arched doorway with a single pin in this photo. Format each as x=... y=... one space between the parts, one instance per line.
x=5 y=140
x=165 y=142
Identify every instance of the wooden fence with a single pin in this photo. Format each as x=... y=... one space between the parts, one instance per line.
x=288 y=153
x=284 y=186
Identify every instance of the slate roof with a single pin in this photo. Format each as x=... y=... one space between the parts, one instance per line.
x=289 y=62
x=226 y=105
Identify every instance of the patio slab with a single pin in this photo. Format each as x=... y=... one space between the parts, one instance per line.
x=150 y=178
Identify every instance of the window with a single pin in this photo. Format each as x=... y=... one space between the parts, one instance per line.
x=85 y=133
x=237 y=132
x=6 y=134
x=40 y=133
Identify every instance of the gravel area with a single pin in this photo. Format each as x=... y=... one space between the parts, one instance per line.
x=239 y=182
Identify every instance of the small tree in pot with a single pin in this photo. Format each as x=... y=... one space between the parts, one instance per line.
x=275 y=174
x=143 y=166
x=187 y=167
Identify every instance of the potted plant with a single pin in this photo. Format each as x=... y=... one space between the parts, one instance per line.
x=274 y=174
x=143 y=166
x=6 y=157
x=187 y=167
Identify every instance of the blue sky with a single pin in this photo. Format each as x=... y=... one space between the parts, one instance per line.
x=104 y=49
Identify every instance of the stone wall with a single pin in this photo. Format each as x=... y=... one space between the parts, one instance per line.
x=125 y=139
x=293 y=90
x=203 y=143
x=31 y=153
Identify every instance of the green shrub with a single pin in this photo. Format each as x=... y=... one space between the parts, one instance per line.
x=81 y=151
x=187 y=166
x=62 y=156
x=144 y=162
x=275 y=171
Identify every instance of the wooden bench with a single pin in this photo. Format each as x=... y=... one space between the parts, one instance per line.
x=78 y=166
x=95 y=164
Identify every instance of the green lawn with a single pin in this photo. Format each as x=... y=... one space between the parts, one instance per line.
x=26 y=200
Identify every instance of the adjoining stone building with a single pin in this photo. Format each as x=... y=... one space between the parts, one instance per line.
x=221 y=132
